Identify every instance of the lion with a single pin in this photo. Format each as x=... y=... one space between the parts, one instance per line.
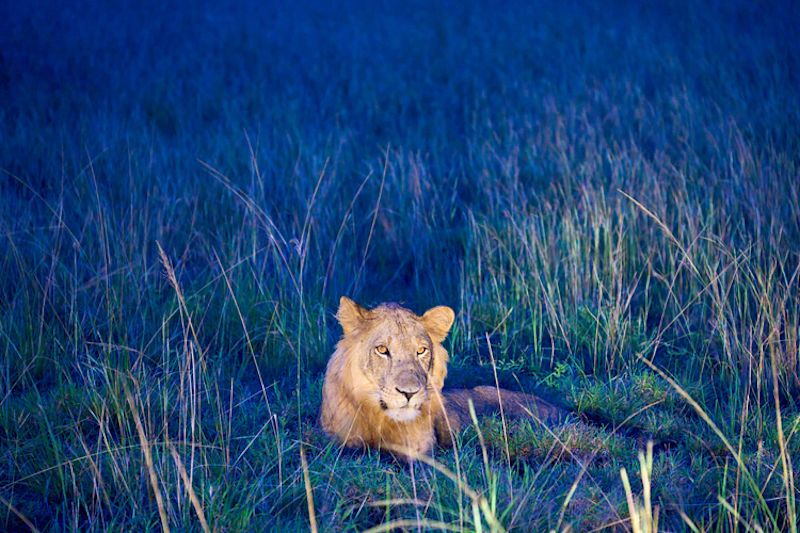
x=383 y=383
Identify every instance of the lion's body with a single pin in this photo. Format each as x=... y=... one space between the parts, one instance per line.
x=489 y=400
x=383 y=384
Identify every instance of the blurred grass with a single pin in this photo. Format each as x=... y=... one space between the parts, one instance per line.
x=591 y=185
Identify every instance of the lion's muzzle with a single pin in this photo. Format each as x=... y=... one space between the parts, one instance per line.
x=404 y=398
x=409 y=385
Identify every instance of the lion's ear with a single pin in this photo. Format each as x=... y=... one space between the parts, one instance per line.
x=438 y=321
x=350 y=314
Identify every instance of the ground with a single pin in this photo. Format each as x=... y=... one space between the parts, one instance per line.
x=606 y=194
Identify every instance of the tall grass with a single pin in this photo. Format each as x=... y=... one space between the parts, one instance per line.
x=608 y=196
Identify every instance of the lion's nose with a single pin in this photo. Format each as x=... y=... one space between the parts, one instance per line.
x=408 y=391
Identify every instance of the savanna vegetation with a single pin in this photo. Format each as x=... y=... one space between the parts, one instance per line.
x=608 y=194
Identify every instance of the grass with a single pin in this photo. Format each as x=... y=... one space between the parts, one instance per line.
x=607 y=195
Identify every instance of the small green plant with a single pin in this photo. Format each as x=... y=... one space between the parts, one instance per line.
x=559 y=372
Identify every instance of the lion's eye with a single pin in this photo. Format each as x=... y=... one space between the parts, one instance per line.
x=382 y=350
x=422 y=350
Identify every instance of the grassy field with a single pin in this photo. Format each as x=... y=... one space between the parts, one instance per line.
x=608 y=195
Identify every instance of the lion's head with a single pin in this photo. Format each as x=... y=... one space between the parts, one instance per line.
x=383 y=382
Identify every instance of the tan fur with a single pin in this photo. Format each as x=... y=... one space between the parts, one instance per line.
x=395 y=400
